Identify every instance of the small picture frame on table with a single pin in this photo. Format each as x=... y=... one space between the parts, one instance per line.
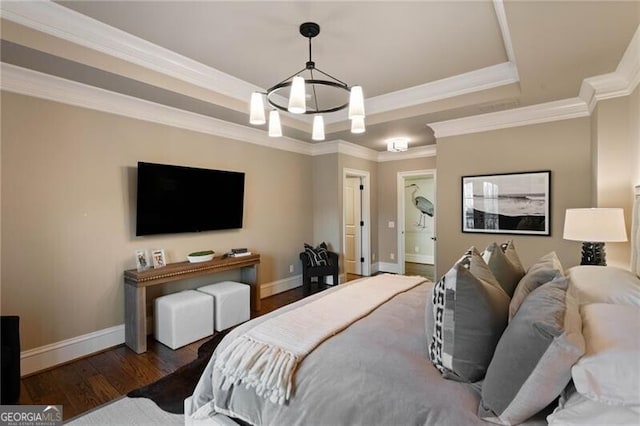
x=142 y=260
x=159 y=259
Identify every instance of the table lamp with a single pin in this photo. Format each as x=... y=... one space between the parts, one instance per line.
x=594 y=227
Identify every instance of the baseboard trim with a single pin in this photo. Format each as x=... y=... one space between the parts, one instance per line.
x=418 y=258
x=280 y=286
x=47 y=356
x=394 y=268
x=43 y=357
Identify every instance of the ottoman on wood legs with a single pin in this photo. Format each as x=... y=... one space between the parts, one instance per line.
x=231 y=303
x=182 y=318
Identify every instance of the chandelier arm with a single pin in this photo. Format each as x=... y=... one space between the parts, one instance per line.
x=313 y=86
x=333 y=78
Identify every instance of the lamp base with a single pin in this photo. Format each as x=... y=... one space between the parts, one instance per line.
x=593 y=254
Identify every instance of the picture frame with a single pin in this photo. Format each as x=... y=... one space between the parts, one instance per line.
x=507 y=203
x=159 y=258
x=142 y=260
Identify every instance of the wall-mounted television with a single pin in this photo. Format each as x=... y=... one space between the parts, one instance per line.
x=175 y=199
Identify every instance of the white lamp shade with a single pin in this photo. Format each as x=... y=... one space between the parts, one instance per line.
x=275 y=128
x=318 y=128
x=357 y=125
x=256 y=112
x=397 y=144
x=297 y=97
x=356 y=102
x=595 y=225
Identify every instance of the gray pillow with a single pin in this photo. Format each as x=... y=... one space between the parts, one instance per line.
x=532 y=362
x=543 y=271
x=465 y=318
x=506 y=272
x=509 y=249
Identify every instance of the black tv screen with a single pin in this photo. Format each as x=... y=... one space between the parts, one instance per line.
x=174 y=199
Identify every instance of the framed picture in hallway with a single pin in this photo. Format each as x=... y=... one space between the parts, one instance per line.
x=510 y=203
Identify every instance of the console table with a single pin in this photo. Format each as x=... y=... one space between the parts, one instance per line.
x=136 y=283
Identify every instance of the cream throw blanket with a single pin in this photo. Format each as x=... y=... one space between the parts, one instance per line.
x=266 y=357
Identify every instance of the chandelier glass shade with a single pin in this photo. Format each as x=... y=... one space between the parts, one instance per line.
x=319 y=93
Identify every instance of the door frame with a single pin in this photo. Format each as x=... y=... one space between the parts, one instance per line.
x=365 y=209
x=402 y=176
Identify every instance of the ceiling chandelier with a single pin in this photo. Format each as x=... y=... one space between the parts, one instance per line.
x=304 y=96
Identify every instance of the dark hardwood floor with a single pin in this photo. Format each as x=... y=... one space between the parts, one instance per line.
x=86 y=383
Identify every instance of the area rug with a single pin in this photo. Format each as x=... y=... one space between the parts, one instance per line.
x=130 y=412
x=170 y=391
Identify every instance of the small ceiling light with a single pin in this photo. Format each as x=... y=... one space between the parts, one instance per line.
x=318 y=128
x=357 y=125
x=256 y=114
x=275 y=129
x=397 y=144
x=311 y=81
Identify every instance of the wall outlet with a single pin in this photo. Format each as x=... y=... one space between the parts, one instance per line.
x=392 y=256
x=392 y=224
x=416 y=249
x=291 y=268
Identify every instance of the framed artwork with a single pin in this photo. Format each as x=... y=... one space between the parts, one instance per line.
x=510 y=203
x=159 y=259
x=142 y=260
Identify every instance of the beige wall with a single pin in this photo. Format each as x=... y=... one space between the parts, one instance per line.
x=634 y=123
x=68 y=211
x=563 y=147
x=616 y=164
x=388 y=201
x=326 y=216
x=328 y=173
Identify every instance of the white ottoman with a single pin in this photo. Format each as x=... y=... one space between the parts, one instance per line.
x=183 y=317
x=231 y=303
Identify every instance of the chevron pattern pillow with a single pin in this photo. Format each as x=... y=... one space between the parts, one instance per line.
x=317 y=256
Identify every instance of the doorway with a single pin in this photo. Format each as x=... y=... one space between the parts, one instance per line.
x=416 y=223
x=356 y=227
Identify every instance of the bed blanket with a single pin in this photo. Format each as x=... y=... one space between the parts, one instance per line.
x=265 y=358
x=375 y=372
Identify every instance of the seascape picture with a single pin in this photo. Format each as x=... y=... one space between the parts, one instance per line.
x=516 y=203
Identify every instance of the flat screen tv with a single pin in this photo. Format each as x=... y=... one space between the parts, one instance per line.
x=174 y=199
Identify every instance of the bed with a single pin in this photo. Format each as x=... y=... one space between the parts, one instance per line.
x=380 y=369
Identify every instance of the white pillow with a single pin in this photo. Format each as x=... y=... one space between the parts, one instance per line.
x=576 y=410
x=604 y=284
x=609 y=371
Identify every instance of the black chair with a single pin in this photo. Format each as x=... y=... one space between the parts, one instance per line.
x=10 y=359
x=319 y=272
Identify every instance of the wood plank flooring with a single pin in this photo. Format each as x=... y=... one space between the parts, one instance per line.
x=88 y=382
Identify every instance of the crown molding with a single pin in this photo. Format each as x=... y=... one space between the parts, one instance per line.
x=58 y=21
x=621 y=82
x=501 y=15
x=27 y=82
x=470 y=82
x=32 y=83
x=534 y=114
x=340 y=146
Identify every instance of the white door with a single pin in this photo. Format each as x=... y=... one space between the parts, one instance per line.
x=352 y=228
